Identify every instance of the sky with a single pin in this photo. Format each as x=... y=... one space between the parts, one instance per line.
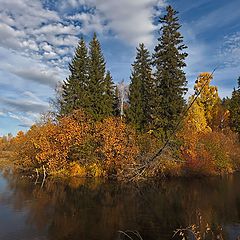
x=38 y=38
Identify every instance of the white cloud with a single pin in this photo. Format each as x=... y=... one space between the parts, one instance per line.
x=27 y=13
x=45 y=46
x=57 y=29
x=36 y=44
x=59 y=41
x=132 y=21
x=30 y=69
x=50 y=55
x=26 y=110
x=230 y=50
x=26 y=120
x=31 y=45
x=40 y=75
x=90 y=22
x=9 y=36
x=25 y=25
x=134 y=28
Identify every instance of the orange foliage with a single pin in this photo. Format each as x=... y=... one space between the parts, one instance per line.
x=116 y=145
x=220 y=118
x=77 y=147
x=198 y=160
x=205 y=149
x=211 y=152
x=50 y=144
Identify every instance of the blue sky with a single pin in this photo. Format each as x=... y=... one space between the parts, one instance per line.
x=37 y=40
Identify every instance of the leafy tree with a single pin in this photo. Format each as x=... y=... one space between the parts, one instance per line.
x=100 y=87
x=234 y=109
x=170 y=78
x=195 y=119
x=141 y=91
x=75 y=88
x=208 y=97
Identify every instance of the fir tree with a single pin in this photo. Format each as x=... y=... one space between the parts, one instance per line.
x=141 y=90
x=170 y=79
x=100 y=86
x=234 y=109
x=74 y=89
x=117 y=102
x=109 y=95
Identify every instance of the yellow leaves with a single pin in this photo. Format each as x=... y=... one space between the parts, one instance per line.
x=208 y=97
x=76 y=170
x=96 y=170
x=199 y=135
x=200 y=116
x=196 y=120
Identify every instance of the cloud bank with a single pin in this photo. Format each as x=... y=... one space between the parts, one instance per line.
x=37 y=41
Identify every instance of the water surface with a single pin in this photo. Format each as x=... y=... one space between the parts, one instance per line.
x=91 y=209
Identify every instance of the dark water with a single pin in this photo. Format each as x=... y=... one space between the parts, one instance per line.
x=88 y=210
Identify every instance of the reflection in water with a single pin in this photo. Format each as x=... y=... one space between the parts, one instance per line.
x=87 y=209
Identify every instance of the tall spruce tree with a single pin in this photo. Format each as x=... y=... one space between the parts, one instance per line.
x=74 y=89
x=234 y=109
x=88 y=87
x=117 y=102
x=170 y=78
x=109 y=96
x=100 y=86
x=141 y=90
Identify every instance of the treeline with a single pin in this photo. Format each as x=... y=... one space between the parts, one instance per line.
x=89 y=87
x=88 y=135
x=157 y=83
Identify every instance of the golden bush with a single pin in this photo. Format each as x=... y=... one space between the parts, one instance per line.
x=117 y=147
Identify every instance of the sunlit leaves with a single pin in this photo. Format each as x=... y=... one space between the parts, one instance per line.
x=208 y=95
x=117 y=144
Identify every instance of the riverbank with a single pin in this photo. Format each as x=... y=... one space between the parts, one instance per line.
x=167 y=169
x=5 y=161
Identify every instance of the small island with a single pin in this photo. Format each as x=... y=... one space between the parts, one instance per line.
x=153 y=157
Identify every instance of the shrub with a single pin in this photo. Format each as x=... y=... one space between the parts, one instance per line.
x=50 y=144
x=211 y=152
x=117 y=148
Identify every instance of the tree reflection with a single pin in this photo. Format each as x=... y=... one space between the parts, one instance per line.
x=87 y=209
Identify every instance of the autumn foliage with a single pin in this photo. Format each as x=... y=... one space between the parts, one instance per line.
x=78 y=145
x=50 y=144
x=208 y=145
x=117 y=146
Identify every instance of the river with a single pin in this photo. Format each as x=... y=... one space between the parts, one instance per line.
x=93 y=209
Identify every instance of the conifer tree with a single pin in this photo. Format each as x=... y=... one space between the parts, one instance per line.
x=234 y=109
x=88 y=86
x=74 y=89
x=109 y=96
x=117 y=102
x=141 y=90
x=100 y=89
x=170 y=78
